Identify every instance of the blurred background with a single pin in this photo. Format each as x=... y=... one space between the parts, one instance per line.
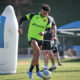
x=63 y=12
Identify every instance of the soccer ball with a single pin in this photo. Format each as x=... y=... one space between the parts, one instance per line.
x=46 y=74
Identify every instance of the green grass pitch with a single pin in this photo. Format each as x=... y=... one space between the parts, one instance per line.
x=69 y=71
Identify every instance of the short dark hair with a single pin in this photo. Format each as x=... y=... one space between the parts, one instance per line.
x=46 y=7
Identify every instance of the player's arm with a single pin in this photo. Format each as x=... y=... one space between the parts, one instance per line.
x=43 y=33
x=48 y=27
x=54 y=33
x=22 y=19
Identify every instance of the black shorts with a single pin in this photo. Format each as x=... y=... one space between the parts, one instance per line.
x=50 y=45
x=38 y=41
x=47 y=45
x=55 y=50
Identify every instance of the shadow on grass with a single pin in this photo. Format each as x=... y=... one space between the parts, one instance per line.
x=7 y=74
x=61 y=71
x=71 y=60
x=21 y=73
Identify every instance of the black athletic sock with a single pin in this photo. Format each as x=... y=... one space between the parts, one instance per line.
x=31 y=68
x=37 y=68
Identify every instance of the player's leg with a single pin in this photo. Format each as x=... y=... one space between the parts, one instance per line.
x=45 y=58
x=36 y=50
x=56 y=52
x=44 y=52
x=35 y=60
x=38 y=73
x=51 y=56
x=58 y=59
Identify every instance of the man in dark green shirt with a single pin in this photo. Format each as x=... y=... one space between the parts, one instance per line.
x=38 y=23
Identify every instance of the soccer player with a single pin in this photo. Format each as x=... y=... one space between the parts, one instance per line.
x=50 y=47
x=48 y=43
x=38 y=23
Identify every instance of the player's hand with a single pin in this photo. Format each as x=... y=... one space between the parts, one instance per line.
x=41 y=33
x=54 y=38
x=20 y=31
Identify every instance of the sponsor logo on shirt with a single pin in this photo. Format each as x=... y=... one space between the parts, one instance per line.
x=38 y=25
x=44 y=20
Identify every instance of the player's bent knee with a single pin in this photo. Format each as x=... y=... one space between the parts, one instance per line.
x=44 y=53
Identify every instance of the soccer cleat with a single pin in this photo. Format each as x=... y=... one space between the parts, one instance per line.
x=43 y=69
x=30 y=74
x=59 y=64
x=51 y=69
x=39 y=74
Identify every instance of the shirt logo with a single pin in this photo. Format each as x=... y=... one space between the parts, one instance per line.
x=44 y=20
x=41 y=26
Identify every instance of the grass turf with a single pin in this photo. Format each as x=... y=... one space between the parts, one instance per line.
x=69 y=71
